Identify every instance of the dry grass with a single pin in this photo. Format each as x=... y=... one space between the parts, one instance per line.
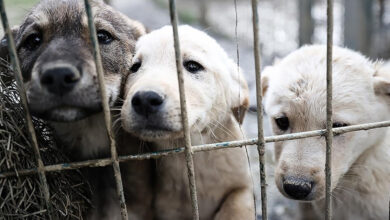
x=22 y=197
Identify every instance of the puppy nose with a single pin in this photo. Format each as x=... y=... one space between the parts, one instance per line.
x=147 y=103
x=297 y=187
x=60 y=80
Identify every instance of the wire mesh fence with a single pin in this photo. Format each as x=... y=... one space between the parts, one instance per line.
x=188 y=150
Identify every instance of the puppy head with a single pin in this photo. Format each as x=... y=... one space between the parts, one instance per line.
x=295 y=100
x=213 y=85
x=57 y=61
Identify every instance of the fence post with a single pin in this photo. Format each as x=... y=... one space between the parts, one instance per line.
x=259 y=96
x=329 y=112
x=183 y=105
x=306 y=22
x=106 y=109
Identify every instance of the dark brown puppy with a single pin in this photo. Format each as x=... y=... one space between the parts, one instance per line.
x=60 y=78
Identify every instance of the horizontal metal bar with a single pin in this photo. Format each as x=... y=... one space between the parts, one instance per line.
x=197 y=148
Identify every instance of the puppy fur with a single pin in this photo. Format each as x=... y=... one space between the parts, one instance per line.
x=215 y=89
x=295 y=88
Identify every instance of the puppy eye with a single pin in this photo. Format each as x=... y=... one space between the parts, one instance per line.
x=104 y=37
x=339 y=124
x=193 y=66
x=33 y=41
x=282 y=123
x=135 y=67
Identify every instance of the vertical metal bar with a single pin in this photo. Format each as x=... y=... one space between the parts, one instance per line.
x=19 y=79
x=106 y=109
x=329 y=113
x=261 y=142
x=184 y=117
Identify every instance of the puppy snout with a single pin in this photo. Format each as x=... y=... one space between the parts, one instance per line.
x=147 y=103
x=297 y=187
x=59 y=80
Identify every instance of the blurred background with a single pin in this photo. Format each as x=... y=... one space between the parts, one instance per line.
x=362 y=25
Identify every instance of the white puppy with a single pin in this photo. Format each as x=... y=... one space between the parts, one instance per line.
x=295 y=100
x=217 y=97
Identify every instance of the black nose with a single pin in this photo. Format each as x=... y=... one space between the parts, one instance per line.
x=297 y=187
x=60 y=80
x=147 y=103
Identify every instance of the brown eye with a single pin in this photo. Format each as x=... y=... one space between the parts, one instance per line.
x=135 y=67
x=283 y=123
x=32 y=42
x=193 y=66
x=104 y=37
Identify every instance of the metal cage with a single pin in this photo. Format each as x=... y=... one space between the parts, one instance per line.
x=188 y=150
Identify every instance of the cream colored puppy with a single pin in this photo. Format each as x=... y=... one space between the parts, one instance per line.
x=215 y=90
x=295 y=100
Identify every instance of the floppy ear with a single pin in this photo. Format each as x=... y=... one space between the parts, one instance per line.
x=239 y=93
x=265 y=79
x=382 y=80
x=138 y=29
x=4 y=44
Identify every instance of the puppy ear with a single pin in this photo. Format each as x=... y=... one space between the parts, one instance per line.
x=138 y=29
x=382 y=80
x=4 y=53
x=239 y=93
x=265 y=79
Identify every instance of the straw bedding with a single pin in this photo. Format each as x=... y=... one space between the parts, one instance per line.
x=22 y=196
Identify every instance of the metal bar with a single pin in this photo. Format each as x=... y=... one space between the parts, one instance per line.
x=259 y=98
x=19 y=79
x=329 y=111
x=106 y=109
x=60 y=167
x=196 y=148
x=184 y=117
